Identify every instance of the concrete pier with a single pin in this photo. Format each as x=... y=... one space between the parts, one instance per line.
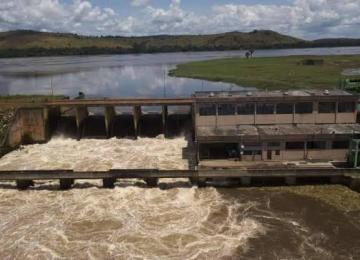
x=109 y=183
x=290 y=180
x=66 y=184
x=245 y=181
x=137 y=116
x=81 y=113
x=152 y=182
x=24 y=184
x=164 y=119
x=110 y=114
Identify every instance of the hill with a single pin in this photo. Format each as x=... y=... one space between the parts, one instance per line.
x=31 y=43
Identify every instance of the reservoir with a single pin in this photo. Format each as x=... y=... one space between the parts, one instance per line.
x=174 y=220
x=143 y=75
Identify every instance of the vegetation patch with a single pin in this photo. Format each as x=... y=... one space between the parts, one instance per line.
x=337 y=196
x=272 y=73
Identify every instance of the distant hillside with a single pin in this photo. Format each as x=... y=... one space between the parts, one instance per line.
x=32 y=43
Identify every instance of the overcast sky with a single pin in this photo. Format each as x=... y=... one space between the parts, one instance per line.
x=302 y=18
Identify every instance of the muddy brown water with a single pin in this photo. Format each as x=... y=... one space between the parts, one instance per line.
x=173 y=221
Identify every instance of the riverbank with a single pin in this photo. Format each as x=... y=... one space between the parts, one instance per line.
x=291 y=72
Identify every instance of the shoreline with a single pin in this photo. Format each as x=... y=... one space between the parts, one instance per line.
x=272 y=73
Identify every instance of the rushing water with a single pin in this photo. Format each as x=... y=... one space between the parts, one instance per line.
x=174 y=221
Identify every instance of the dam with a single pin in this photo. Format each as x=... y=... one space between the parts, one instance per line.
x=247 y=137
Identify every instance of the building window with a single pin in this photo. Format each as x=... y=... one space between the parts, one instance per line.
x=277 y=152
x=274 y=144
x=284 y=108
x=316 y=145
x=304 y=108
x=340 y=145
x=346 y=107
x=252 y=152
x=265 y=109
x=327 y=107
x=246 y=109
x=226 y=109
x=295 y=146
x=207 y=110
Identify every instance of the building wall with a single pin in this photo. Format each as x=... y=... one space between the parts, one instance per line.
x=281 y=154
x=259 y=119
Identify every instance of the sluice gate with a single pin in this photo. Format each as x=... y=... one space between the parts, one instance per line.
x=36 y=123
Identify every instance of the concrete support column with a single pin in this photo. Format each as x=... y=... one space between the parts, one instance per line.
x=137 y=116
x=290 y=180
x=152 y=182
x=81 y=114
x=164 y=119
x=245 y=181
x=354 y=183
x=24 y=184
x=201 y=182
x=110 y=114
x=66 y=184
x=336 y=180
x=109 y=183
x=193 y=119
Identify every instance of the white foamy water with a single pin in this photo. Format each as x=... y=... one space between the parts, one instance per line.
x=128 y=222
x=124 y=223
x=101 y=155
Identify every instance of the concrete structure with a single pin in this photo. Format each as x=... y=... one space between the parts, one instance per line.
x=259 y=126
x=263 y=133
x=275 y=126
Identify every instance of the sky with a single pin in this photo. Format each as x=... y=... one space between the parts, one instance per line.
x=308 y=19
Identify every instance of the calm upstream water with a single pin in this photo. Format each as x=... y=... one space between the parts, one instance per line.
x=122 y=75
x=175 y=220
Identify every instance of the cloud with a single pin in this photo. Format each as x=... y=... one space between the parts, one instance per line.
x=51 y=15
x=138 y=3
x=303 y=18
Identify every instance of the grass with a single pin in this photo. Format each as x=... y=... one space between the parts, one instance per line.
x=271 y=73
x=337 y=196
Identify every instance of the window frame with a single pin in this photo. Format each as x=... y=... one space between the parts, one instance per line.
x=303 y=112
x=202 y=106
x=292 y=108
x=347 y=147
x=312 y=145
x=323 y=109
x=264 y=105
x=246 y=106
x=345 y=110
x=222 y=112
x=295 y=148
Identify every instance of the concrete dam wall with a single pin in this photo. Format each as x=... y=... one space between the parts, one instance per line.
x=38 y=125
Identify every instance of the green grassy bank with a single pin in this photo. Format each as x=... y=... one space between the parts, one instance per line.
x=292 y=72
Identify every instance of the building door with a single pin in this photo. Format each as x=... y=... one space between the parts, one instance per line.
x=269 y=155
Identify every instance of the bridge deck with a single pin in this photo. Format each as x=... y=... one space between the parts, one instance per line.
x=105 y=102
x=152 y=173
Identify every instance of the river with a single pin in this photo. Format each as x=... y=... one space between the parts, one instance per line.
x=175 y=220
x=142 y=75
